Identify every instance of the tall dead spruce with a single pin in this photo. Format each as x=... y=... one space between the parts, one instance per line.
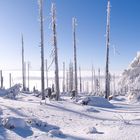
x=53 y=14
x=107 y=77
x=63 y=77
x=75 y=54
x=23 y=65
x=40 y=4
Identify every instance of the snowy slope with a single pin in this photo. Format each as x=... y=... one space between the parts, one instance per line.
x=67 y=120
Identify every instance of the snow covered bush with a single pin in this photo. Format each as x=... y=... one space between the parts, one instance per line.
x=11 y=123
x=134 y=96
x=13 y=91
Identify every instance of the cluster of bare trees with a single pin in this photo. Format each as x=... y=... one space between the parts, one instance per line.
x=70 y=83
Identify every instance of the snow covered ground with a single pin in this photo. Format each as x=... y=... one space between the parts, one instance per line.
x=26 y=118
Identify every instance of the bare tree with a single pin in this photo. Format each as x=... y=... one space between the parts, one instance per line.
x=47 y=80
x=92 y=78
x=67 y=81
x=40 y=3
x=25 y=75
x=53 y=12
x=70 y=77
x=63 y=76
x=29 y=76
x=10 y=79
x=75 y=55
x=1 y=78
x=80 y=80
x=114 y=84
x=99 y=81
x=23 y=65
x=107 y=81
x=95 y=88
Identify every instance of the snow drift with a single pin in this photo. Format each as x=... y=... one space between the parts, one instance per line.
x=95 y=101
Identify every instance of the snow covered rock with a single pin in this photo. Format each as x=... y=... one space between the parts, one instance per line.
x=92 y=130
x=95 y=101
x=11 y=123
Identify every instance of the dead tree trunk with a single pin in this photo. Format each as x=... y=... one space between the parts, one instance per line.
x=67 y=81
x=1 y=78
x=25 y=77
x=70 y=77
x=80 y=80
x=75 y=55
x=47 y=74
x=53 y=11
x=63 y=77
x=23 y=66
x=28 y=76
x=10 y=79
x=99 y=88
x=92 y=80
x=107 y=81
x=40 y=2
x=114 y=84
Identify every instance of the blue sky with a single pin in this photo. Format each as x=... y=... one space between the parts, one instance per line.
x=21 y=17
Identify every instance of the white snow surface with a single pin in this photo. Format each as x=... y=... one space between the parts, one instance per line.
x=67 y=120
x=96 y=101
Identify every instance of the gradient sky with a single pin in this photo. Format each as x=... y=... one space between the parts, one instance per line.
x=21 y=17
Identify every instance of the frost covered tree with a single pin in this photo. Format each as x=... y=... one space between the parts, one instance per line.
x=94 y=81
x=53 y=14
x=80 y=80
x=92 y=78
x=23 y=65
x=25 y=75
x=67 y=81
x=75 y=55
x=1 y=78
x=63 y=76
x=29 y=76
x=107 y=81
x=47 y=80
x=99 y=80
x=10 y=79
x=40 y=4
x=70 y=77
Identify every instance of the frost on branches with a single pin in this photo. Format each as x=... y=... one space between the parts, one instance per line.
x=129 y=83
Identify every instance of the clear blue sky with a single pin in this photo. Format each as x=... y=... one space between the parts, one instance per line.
x=21 y=16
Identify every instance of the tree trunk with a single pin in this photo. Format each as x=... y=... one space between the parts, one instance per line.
x=80 y=80
x=107 y=82
x=75 y=55
x=46 y=74
x=55 y=50
x=42 y=46
x=10 y=80
x=23 y=66
x=28 y=76
x=63 y=77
